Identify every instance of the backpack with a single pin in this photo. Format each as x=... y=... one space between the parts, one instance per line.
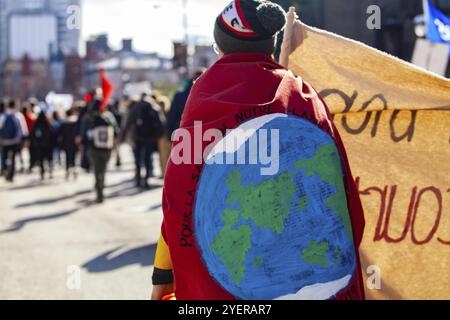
x=102 y=134
x=148 y=125
x=11 y=128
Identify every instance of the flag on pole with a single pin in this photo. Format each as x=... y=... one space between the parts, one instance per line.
x=107 y=88
x=394 y=119
x=438 y=24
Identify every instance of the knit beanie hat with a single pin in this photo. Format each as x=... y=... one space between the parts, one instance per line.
x=249 y=26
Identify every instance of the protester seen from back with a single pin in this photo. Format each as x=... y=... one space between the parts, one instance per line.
x=30 y=119
x=146 y=120
x=56 y=122
x=114 y=108
x=224 y=236
x=67 y=141
x=42 y=144
x=178 y=104
x=88 y=109
x=29 y=115
x=14 y=131
x=99 y=130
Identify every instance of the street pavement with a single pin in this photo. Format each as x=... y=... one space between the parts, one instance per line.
x=55 y=243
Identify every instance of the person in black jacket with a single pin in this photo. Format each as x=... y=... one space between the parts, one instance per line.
x=178 y=103
x=42 y=143
x=147 y=120
x=67 y=141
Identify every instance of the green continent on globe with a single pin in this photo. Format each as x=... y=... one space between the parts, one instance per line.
x=320 y=164
x=267 y=204
x=232 y=244
x=316 y=253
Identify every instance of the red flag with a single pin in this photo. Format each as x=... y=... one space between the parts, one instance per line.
x=107 y=88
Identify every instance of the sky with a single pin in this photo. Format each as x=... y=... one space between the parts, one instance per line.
x=153 y=24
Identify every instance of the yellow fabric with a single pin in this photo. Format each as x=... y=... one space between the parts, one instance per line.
x=162 y=256
x=394 y=119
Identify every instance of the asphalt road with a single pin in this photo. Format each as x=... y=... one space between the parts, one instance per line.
x=55 y=243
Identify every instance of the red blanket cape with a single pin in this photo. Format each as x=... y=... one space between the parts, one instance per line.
x=240 y=87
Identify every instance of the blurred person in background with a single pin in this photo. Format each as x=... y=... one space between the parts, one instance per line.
x=19 y=154
x=30 y=119
x=163 y=101
x=67 y=141
x=28 y=113
x=164 y=143
x=178 y=104
x=128 y=105
x=114 y=108
x=99 y=130
x=147 y=121
x=2 y=111
x=86 y=110
x=14 y=132
x=56 y=122
x=42 y=144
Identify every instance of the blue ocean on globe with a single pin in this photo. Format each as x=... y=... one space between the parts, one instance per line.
x=286 y=235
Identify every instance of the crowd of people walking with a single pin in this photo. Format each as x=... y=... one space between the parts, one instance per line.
x=87 y=135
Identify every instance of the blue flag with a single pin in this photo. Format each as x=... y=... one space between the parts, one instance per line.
x=438 y=24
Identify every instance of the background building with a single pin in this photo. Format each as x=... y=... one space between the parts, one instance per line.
x=97 y=48
x=26 y=78
x=126 y=66
x=39 y=50
x=32 y=34
x=18 y=24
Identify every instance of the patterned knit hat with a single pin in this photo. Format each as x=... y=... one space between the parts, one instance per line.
x=249 y=26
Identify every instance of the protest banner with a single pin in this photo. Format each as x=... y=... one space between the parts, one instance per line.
x=394 y=119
